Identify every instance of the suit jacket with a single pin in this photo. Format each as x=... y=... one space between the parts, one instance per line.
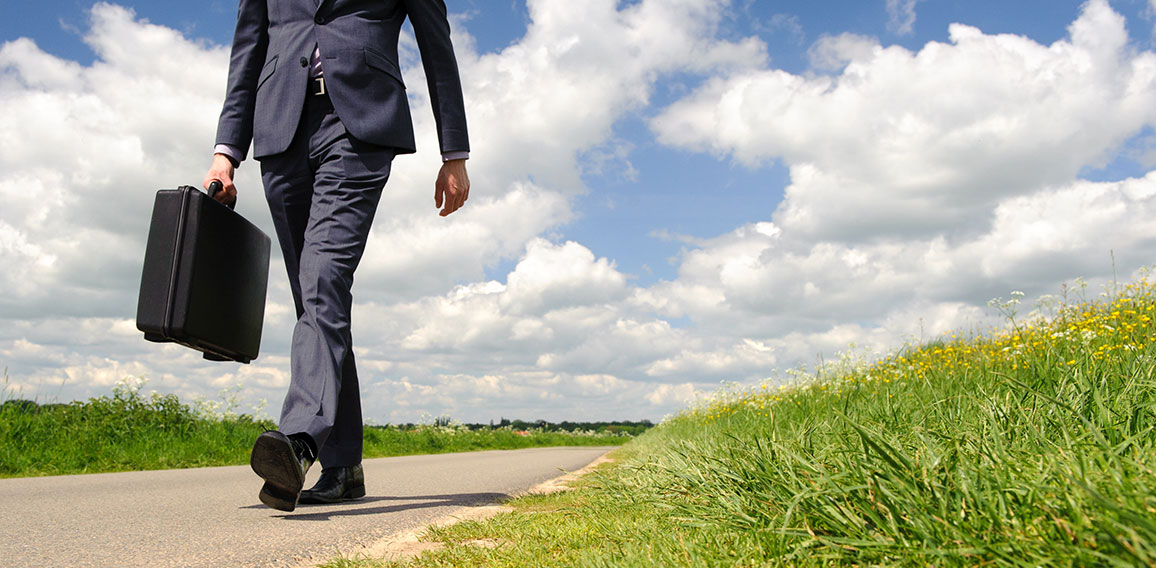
x=269 y=71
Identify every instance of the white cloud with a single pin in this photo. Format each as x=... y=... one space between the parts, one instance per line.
x=903 y=144
x=788 y=24
x=901 y=16
x=410 y=256
x=673 y=395
x=552 y=278
x=922 y=184
x=834 y=53
x=561 y=309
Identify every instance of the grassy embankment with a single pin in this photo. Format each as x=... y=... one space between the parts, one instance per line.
x=1035 y=446
x=129 y=431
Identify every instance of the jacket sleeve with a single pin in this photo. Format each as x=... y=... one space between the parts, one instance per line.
x=432 y=30
x=250 y=43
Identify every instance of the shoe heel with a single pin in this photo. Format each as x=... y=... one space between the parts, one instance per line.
x=273 y=496
x=354 y=493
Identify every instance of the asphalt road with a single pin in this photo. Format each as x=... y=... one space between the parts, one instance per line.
x=211 y=516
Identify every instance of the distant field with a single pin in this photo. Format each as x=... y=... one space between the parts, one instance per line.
x=1031 y=447
x=128 y=431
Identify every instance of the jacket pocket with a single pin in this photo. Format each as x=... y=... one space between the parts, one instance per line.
x=267 y=71
x=383 y=64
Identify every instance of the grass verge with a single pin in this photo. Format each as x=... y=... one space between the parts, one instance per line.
x=1032 y=447
x=385 y=441
x=128 y=431
x=123 y=432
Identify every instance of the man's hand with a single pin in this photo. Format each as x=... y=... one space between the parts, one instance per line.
x=452 y=187
x=221 y=170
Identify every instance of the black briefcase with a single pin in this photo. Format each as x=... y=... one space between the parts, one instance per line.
x=206 y=269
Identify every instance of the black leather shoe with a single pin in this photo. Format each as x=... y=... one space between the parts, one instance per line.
x=282 y=462
x=336 y=484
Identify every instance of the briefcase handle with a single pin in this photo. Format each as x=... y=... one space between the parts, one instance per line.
x=214 y=187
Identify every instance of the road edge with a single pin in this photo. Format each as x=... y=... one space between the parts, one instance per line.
x=408 y=544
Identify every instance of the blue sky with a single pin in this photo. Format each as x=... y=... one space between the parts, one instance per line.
x=667 y=196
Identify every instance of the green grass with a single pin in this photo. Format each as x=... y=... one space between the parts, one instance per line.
x=122 y=432
x=128 y=431
x=1031 y=447
x=398 y=441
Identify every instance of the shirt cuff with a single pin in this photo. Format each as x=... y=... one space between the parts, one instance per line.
x=230 y=152
x=455 y=156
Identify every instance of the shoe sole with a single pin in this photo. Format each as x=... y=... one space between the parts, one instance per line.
x=273 y=461
x=353 y=493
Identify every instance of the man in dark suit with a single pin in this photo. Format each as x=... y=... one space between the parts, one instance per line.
x=316 y=87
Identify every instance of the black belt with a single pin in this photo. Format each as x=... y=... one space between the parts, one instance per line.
x=317 y=86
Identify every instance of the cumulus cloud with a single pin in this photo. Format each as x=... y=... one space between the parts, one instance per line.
x=908 y=143
x=834 y=53
x=785 y=24
x=934 y=179
x=560 y=309
x=901 y=16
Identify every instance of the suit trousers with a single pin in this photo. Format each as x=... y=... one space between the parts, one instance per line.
x=323 y=192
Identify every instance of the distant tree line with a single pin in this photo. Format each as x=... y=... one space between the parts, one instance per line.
x=627 y=427
x=28 y=406
x=618 y=427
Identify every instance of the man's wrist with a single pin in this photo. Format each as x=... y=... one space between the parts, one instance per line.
x=447 y=156
x=230 y=153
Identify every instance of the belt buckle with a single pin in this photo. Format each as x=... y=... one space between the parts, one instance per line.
x=320 y=86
